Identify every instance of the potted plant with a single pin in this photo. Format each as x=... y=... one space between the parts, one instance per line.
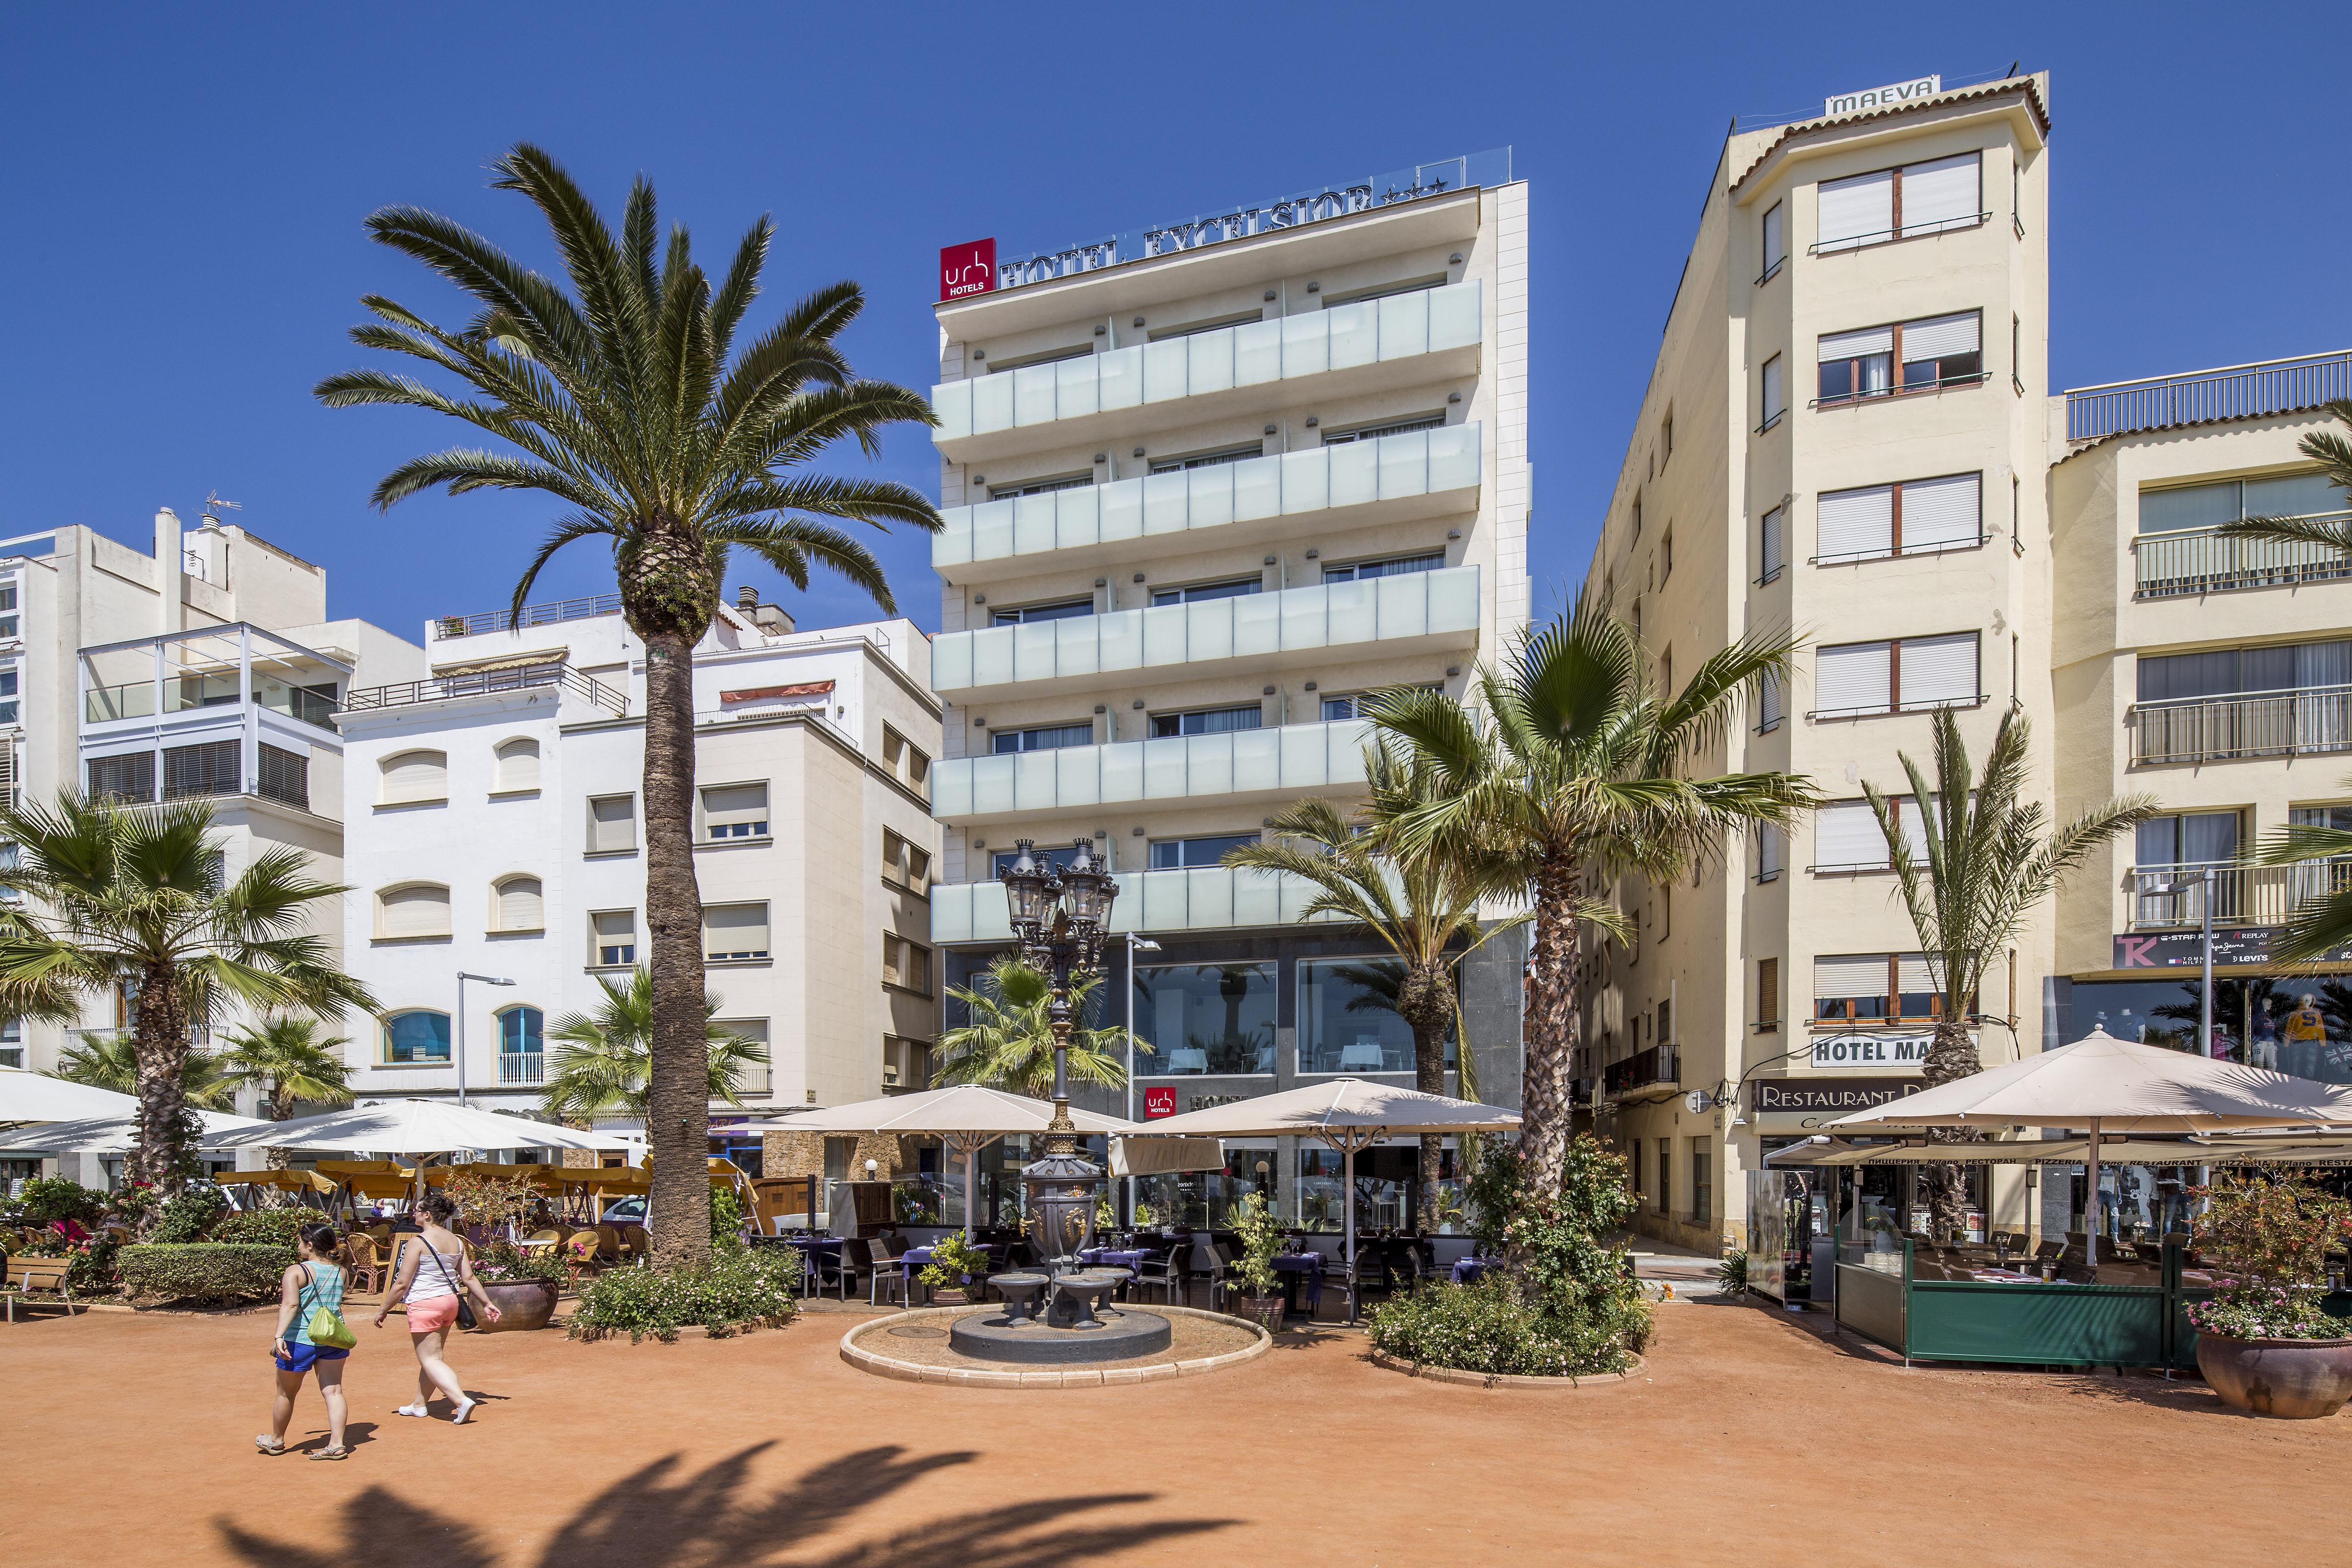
x=956 y=1273
x=522 y=1285
x=1259 y=1237
x=2262 y=1342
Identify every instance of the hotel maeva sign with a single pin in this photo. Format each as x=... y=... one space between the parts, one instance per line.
x=1880 y=1052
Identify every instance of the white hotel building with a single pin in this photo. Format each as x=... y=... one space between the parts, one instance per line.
x=1205 y=486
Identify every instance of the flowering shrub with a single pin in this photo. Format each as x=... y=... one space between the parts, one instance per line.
x=1496 y=1326
x=505 y=1264
x=2261 y=1312
x=2271 y=1238
x=735 y=1290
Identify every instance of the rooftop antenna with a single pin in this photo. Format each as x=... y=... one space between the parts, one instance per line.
x=214 y=506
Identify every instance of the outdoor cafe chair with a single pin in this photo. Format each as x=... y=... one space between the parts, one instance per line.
x=369 y=1269
x=1163 y=1271
x=1212 y=1264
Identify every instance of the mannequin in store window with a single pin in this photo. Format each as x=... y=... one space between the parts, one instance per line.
x=2307 y=1036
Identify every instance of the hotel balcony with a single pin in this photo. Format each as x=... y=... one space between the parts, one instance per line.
x=1207 y=898
x=2173 y=896
x=1240 y=767
x=1373 y=345
x=1297 y=627
x=2201 y=560
x=1396 y=479
x=2312 y=721
x=1651 y=1068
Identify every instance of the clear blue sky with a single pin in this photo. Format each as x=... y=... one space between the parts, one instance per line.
x=189 y=184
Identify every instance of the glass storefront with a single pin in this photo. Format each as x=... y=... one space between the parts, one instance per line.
x=1204 y=1018
x=1348 y=1021
x=1202 y=1200
x=2299 y=1024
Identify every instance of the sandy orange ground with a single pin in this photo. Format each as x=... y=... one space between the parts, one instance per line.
x=1751 y=1440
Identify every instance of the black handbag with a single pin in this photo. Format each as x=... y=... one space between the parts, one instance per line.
x=465 y=1319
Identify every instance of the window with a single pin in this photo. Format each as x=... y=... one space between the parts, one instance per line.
x=1768 y=993
x=1390 y=427
x=1776 y=390
x=2016 y=355
x=283 y=775
x=905 y=863
x=1916 y=517
x=12 y=1045
x=412 y=778
x=1232 y=588
x=1702 y=1188
x=9 y=707
x=518 y=769
x=753 y=1080
x=2209 y=505
x=1384 y=292
x=1665 y=442
x=128 y=778
x=521 y=1031
x=1045 y=738
x=518 y=904
x=1044 y=356
x=1772 y=543
x=906 y=964
x=1854 y=679
x=1640 y=1173
x=1776 y=240
x=1898 y=203
x=1207 y=460
x=1194 y=329
x=1061 y=610
x=1208 y=720
x=1665 y=1194
x=734 y=931
x=1874 y=987
x=1169 y=854
x=1042 y=486
x=919 y=868
x=1667 y=555
x=1637 y=517
x=612 y=938
x=1357 y=704
x=1932 y=351
x=1847 y=838
x=209 y=767
x=419 y=909
x=2230 y=672
x=8 y=625
x=1394 y=566
x=1206 y=1018
x=735 y=811
x=2193 y=838
x=1348 y=1021
x=1771 y=848
x=611 y=824
x=416 y=1037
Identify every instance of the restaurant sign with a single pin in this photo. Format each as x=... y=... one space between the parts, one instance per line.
x=1784 y=1103
x=1902 y=1052
x=2185 y=948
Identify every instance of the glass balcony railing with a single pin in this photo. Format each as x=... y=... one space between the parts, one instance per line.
x=1319 y=480
x=1088 y=648
x=1208 y=898
x=136 y=700
x=1293 y=759
x=1255 y=353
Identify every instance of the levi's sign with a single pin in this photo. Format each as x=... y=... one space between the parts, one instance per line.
x=968 y=268
x=1906 y=1051
x=1879 y=98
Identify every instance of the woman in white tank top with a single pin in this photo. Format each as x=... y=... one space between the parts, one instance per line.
x=433 y=1276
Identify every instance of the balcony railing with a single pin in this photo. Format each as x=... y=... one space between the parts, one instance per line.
x=2228 y=392
x=1312 y=343
x=2201 y=561
x=546 y=615
x=2166 y=896
x=1207 y=898
x=136 y=700
x=1098 y=649
x=1642 y=1070
x=1287 y=761
x=522 y=1068
x=485 y=683
x=2310 y=722
x=1319 y=480
x=754 y=1082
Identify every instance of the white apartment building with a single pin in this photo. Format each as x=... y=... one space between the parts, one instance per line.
x=1205 y=486
x=497 y=831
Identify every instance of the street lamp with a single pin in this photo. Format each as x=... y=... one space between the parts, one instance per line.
x=2204 y=881
x=1060 y=920
x=1135 y=944
x=462 y=977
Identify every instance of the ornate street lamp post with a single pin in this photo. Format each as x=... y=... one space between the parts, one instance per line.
x=1060 y=920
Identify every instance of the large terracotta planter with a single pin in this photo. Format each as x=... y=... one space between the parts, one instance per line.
x=521 y=1304
x=1266 y=1311
x=2298 y=1379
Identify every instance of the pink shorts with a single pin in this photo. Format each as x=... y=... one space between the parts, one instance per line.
x=434 y=1312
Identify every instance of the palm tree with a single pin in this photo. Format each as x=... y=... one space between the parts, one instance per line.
x=1578 y=768
x=1419 y=904
x=2320 y=923
x=284 y=1058
x=1009 y=1042
x=111 y=1061
x=134 y=901
x=2333 y=451
x=1985 y=861
x=604 y=1063
x=628 y=402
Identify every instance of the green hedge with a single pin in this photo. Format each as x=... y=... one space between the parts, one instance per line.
x=1493 y=1326
x=737 y=1288
x=209 y=1272
x=276 y=1227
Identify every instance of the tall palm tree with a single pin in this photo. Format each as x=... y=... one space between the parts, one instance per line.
x=1421 y=904
x=134 y=901
x=284 y=1058
x=1008 y=1043
x=1578 y=767
x=1986 y=860
x=629 y=401
x=111 y=1061
x=2333 y=449
x=603 y=1059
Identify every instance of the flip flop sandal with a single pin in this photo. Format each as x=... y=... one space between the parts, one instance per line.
x=331 y=1454
x=270 y=1445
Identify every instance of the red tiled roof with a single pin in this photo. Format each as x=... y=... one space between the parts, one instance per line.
x=1959 y=95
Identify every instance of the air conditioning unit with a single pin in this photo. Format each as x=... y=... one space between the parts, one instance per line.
x=902 y=1064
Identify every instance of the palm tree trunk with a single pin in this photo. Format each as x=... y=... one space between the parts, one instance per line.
x=280 y=1109
x=1950 y=1057
x=159 y=1035
x=1552 y=1028
x=1425 y=1000
x=678 y=1112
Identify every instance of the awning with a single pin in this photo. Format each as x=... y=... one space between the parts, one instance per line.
x=504 y=661
x=1162 y=1157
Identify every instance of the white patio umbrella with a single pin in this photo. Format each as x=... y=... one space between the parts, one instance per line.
x=36 y=1096
x=410 y=1127
x=966 y=1117
x=1347 y=1114
x=2105 y=1084
x=105 y=1134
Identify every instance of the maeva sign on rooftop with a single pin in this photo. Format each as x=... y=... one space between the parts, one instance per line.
x=1879 y=98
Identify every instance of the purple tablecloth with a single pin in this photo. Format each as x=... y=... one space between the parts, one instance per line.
x=1466 y=1269
x=1309 y=1264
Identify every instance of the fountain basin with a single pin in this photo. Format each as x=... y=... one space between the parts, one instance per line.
x=1118 y=1336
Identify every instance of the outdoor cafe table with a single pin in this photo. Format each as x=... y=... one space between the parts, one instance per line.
x=1297 y=1268
x=1467 y=1269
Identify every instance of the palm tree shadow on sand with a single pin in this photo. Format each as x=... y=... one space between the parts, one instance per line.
x=663 y=1517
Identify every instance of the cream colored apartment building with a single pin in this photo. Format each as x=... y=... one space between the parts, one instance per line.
x=1206 y=486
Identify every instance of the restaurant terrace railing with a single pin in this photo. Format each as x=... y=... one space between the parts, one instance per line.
x=2308 y=723
x=1642 y=1070
x=2192 y=397
x=2201 y=560
x=546 y=615
x=483 y=683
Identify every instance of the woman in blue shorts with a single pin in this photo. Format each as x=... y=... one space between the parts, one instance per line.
x=314 y=1282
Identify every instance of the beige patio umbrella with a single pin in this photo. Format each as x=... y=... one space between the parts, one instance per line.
x=966 y=1117
x=2108 y=1085
x=1347 y=1114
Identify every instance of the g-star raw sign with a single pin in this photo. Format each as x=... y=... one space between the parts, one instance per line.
x=1158 y=1102
x=967 y=269
x=1879 y=98
x=2185 y=948
x=1901 y=1051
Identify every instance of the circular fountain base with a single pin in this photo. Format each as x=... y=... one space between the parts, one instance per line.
x=1121 y=1335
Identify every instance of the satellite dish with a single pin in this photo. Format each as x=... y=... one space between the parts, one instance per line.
x=1698 y=1101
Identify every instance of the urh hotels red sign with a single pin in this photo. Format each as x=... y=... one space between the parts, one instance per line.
x=967 y=269
x=1158 y=1102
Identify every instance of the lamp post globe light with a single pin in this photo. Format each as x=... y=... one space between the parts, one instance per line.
x=1059 y=921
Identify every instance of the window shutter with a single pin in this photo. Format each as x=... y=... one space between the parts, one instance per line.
x=735 y=930
x=1776 y=238
x=1940 y=337
x=612 y=929
x=1767 y=990
x=1842 y=975
x=1938 y=670
x=1855 y=209
x=521 y=906
x=1853 y=677
x=1775 y=548
x=1912 y=974
x=1845 y=836
x=416 y=911
x=1857 y=345
x=1937 y=513
x=415 y=775
x=613 y=823
x=1767 y=853
x=518 y=765
x=1776 y=394
x=1942 y=193
x=1856 y=522
x=737 y=806
x=1768 y=701
x=1911 y=817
